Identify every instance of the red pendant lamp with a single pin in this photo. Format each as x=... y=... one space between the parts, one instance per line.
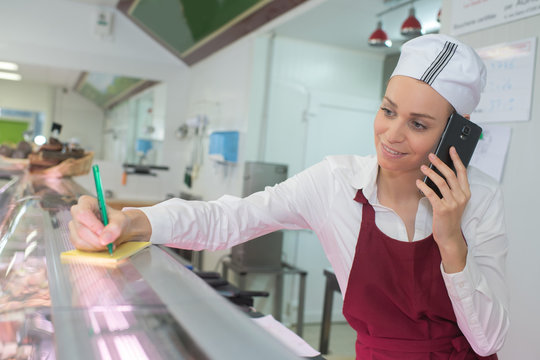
x=411 y=27
x=379 y=37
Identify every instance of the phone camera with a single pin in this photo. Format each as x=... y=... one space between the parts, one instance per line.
x=466 y=130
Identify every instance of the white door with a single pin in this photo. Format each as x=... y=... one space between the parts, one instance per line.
x=336 y=124
x=339 y=124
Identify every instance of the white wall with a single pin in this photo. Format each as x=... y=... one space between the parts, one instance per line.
x=306 y=69
x=80 y=119
x=220 y=88
x=28 y=96
x=522 y=196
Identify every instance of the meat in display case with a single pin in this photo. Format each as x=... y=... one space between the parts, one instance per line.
x=25 y=305
x=148 y=307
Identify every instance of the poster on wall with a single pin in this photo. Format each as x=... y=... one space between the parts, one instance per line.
x=473 y=15
x=490 y=153
x=510 y=72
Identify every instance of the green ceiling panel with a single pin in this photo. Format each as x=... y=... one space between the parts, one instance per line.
x=102 y=89
x=181 y=24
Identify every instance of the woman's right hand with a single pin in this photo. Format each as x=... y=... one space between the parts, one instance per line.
x=87 y=232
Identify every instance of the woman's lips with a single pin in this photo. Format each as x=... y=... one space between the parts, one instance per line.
x=388 y=151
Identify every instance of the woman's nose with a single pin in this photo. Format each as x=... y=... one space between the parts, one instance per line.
x=395 y=132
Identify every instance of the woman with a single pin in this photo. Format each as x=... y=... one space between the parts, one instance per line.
x=423 y=276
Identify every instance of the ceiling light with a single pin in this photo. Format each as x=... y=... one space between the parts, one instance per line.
x=4 y=65
x=379 y=37
x=40 y=140
x=10 y=76
x=411 y=27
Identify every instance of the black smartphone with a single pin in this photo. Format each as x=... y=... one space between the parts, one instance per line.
x=463 y=135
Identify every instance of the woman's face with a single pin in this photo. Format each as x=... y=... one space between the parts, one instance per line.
x=409 y=124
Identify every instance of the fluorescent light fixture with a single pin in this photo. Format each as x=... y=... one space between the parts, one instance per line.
x=10 y=76
x=4 y=65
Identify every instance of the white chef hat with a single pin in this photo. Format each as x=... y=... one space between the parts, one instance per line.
x=450 y=67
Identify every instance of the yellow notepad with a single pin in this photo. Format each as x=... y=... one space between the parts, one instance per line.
x=121 y=253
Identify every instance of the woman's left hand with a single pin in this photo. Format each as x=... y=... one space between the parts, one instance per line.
x=448 y=210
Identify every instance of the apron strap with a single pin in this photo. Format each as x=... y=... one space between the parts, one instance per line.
x=368 y=213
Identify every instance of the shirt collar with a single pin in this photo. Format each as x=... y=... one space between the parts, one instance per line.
x=365 y=178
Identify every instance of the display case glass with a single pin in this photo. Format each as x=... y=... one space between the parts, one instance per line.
x=148 y=307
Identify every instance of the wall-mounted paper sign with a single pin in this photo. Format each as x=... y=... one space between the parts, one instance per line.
x=490 y=153
x=510 y=73
x=474 y=15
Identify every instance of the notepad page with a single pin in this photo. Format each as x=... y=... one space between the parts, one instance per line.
x=122 y=252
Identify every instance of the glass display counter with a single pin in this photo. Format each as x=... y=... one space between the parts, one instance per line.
x=148 y=307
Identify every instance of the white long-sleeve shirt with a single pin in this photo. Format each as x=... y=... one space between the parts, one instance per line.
x=321 y=198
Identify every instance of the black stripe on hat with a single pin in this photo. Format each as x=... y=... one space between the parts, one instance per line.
x=427 y=77
x=431 y=73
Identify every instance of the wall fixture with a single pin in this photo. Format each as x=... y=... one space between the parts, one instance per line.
x=197 y=122
x=103 y=24
x=223 y=146
x=181 y=132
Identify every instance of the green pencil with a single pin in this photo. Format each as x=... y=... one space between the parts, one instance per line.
x=101 y=202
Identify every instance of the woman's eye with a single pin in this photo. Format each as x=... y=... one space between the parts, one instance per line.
x=418 y=126
x=387 y=111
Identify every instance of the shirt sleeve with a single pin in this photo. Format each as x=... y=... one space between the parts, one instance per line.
x=479 y=294
x=296 y=203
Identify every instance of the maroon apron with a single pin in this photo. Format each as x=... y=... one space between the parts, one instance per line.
x=396 y=299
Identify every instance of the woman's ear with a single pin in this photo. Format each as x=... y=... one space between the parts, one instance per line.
x=467 y=116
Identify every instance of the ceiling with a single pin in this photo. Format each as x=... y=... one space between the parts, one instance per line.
x=342 y=23
x=58 y=76
x=349 y=23
x=48 y=75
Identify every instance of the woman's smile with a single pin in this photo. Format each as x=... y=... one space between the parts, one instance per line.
x=391 y=153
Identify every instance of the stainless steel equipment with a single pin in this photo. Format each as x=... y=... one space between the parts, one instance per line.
x=263 y=252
